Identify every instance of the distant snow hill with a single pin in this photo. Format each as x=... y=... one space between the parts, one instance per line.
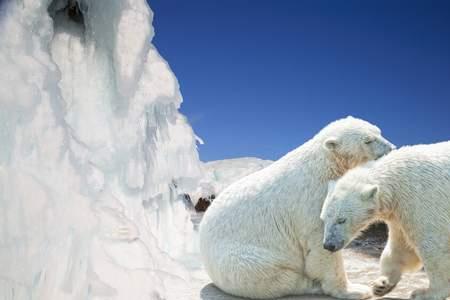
x=220 y=174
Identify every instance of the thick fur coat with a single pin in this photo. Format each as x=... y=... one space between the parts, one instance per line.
x=262 y=237
x=410 y=190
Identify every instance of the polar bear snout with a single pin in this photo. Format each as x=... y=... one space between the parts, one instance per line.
x=330 y=246
x=333 y=240
x=383 y=147
x=333 y=245
x=389 y=146
x=392 y=146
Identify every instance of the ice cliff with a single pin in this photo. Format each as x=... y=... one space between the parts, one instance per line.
x=94 y=154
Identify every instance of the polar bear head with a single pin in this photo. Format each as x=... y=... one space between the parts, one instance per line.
x=351 y=141
x=350 y=206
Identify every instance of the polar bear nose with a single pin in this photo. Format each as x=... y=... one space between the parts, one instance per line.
x=330 y=246
x=392 y=146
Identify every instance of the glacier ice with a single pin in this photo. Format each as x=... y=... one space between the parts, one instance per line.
x=94 y=155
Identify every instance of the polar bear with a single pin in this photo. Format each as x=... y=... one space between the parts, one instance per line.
x=262 y=236
x=410 y=190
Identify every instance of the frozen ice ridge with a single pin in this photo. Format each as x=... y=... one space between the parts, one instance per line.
x=94 y=155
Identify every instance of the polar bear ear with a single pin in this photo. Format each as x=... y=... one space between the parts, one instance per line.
x=369 y=192
x=331 y=144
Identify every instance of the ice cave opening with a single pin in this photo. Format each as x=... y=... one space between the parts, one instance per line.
x=68 y=9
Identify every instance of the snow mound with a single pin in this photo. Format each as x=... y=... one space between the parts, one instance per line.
x=94 y=155
x=220 y=174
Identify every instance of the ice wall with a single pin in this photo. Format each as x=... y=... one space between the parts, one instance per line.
x=93 y=154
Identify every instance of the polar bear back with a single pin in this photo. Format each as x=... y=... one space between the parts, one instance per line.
x=415 y=180
x=262 y=193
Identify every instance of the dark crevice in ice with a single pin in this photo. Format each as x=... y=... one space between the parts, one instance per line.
x=70 y=10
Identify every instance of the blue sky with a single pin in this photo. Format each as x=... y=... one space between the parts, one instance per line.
x=261 y=77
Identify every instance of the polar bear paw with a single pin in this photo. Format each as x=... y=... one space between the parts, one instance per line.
x=355 y=292
x=382 y=286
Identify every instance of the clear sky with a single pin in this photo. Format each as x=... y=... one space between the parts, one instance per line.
x=261 y=77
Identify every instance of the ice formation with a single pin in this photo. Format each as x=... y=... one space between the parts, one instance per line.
x=94 y=154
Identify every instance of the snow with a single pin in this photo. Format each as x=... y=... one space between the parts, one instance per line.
x=94 y=155
x=220 y=174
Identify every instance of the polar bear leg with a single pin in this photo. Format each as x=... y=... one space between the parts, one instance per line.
x=397 y=257
x=328 y=269
x=437 y=267
x=256 y=272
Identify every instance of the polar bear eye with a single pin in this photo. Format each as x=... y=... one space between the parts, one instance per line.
x=367 y=142
x=341 y=220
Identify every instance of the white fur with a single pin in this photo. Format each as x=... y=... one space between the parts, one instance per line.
x=410 y=190
x=262 y=237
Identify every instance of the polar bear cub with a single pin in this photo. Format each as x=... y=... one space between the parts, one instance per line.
x=262 y=237
x=410 y=190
